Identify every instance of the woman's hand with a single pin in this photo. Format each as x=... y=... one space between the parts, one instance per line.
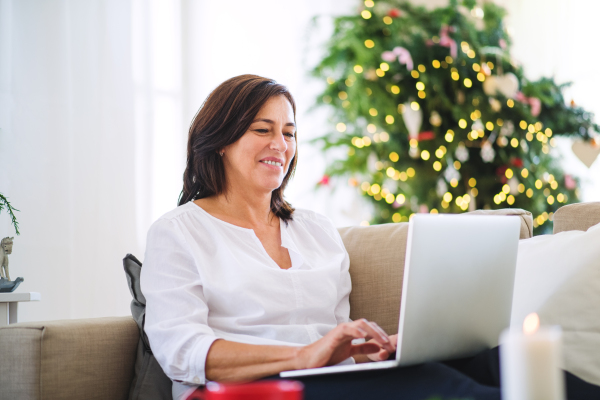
x=337 y=345
x=384 y=354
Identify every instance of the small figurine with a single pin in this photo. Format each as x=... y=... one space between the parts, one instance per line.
x=6 y=285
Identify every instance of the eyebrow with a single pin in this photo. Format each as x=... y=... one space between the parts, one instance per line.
x=270 y=121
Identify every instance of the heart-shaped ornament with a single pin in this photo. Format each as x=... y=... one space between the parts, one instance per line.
x=508 y=85
x=587 y=152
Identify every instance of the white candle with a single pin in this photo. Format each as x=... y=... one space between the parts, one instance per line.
x=530 y=362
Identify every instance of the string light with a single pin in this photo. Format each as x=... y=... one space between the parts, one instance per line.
x=389 y=119
x=366 y=14
x=414 y=105
x=343 y=95
x=387 y=20
x=510 y=103
x=400 y=199
x=414 y=73
x=395 y=89
x=384 y=136
x=369 y=44
x=436 y=64
x=384 y=66
x=358 y=69
x=373 y=112
x=341 y=127
x=437 y=166
x=394 y=156
x=462 y=123
x=420 y=86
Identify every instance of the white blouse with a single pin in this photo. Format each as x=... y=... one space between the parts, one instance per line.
x=206 y=279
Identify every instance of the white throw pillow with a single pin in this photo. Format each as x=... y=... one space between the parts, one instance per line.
x=558 y=276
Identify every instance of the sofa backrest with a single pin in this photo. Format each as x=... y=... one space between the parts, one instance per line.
x=577 y=217
x=377 y=266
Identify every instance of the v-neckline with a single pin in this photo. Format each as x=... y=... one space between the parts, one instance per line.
x=284 y=243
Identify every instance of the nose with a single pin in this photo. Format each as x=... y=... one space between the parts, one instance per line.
x=278 y=142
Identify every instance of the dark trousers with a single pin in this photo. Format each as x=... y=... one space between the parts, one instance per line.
x=475 y=378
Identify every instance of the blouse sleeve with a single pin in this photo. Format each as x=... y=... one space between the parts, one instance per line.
x=176 y=309
x=342 y=310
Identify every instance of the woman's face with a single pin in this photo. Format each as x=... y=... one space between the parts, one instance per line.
x=260 y=159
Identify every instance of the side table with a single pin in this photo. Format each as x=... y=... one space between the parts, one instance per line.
x=9 y=303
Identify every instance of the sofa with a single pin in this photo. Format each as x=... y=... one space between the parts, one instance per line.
x=95 y=358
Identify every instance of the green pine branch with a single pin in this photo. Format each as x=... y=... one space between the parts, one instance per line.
x=4 y=203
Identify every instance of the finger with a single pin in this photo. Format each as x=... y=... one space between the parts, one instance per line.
x=380 y=356
x=365 y=348
x=377 y=336
x=349 y=332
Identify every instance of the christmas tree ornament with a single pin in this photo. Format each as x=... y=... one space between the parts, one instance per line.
x=451 y=173
x=507 y=85
x=435 y=119
x=461 y=153
x=445 y=40
x=441 y=187
x=487 y=152
x=533 y=102
x=513 y=184
x=495 y=104
x=570 y=183
x=507 y=128
x=412 y=120
x=414 y=152
x=401 y=54
x=477 y=125
x=587 y=152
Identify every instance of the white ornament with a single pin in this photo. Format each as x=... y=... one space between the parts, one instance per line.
x=507 y=129
x=413 y=120
x=441 y=188
x=513 y=184
x=451 y=173
x=477 y=125
x=462 y=154
x=414 y=152
x=587 y=152
x=507 y=85
x=487 y=152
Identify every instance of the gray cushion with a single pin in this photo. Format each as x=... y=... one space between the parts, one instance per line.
x=150 y=381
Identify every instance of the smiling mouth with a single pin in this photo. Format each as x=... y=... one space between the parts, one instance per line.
x=275 y=163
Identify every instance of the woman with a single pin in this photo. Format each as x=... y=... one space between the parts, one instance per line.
x=240 y=286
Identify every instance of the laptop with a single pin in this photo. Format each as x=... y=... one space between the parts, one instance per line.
x=456 y=293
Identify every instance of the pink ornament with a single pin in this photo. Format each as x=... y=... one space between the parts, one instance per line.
x=533 y=102
x=570 y=183
x=401 y=54
x=324 y=180
x=446 y=41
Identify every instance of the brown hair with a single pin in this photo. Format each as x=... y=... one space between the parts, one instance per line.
x=223 y=118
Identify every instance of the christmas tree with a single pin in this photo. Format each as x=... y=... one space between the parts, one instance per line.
x=437 y=117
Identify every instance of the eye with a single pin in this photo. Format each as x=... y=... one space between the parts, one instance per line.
x=262 y=130
x=290 y=135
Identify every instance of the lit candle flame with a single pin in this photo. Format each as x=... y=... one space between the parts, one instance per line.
x=531 y=323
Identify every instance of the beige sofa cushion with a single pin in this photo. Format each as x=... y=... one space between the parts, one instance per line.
x=577 y=217
x=84 y=359
x=377 y=266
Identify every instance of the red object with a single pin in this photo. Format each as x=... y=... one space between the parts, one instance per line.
x=517 y=162
x=395 y=13
x=427 y=135
x=264 y=390
x=324 y=180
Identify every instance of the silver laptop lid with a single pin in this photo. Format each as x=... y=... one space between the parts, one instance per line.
x=458 y=284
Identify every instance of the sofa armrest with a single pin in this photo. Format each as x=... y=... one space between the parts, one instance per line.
x=70 y=359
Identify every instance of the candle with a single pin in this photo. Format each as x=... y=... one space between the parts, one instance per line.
x=530 y=362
